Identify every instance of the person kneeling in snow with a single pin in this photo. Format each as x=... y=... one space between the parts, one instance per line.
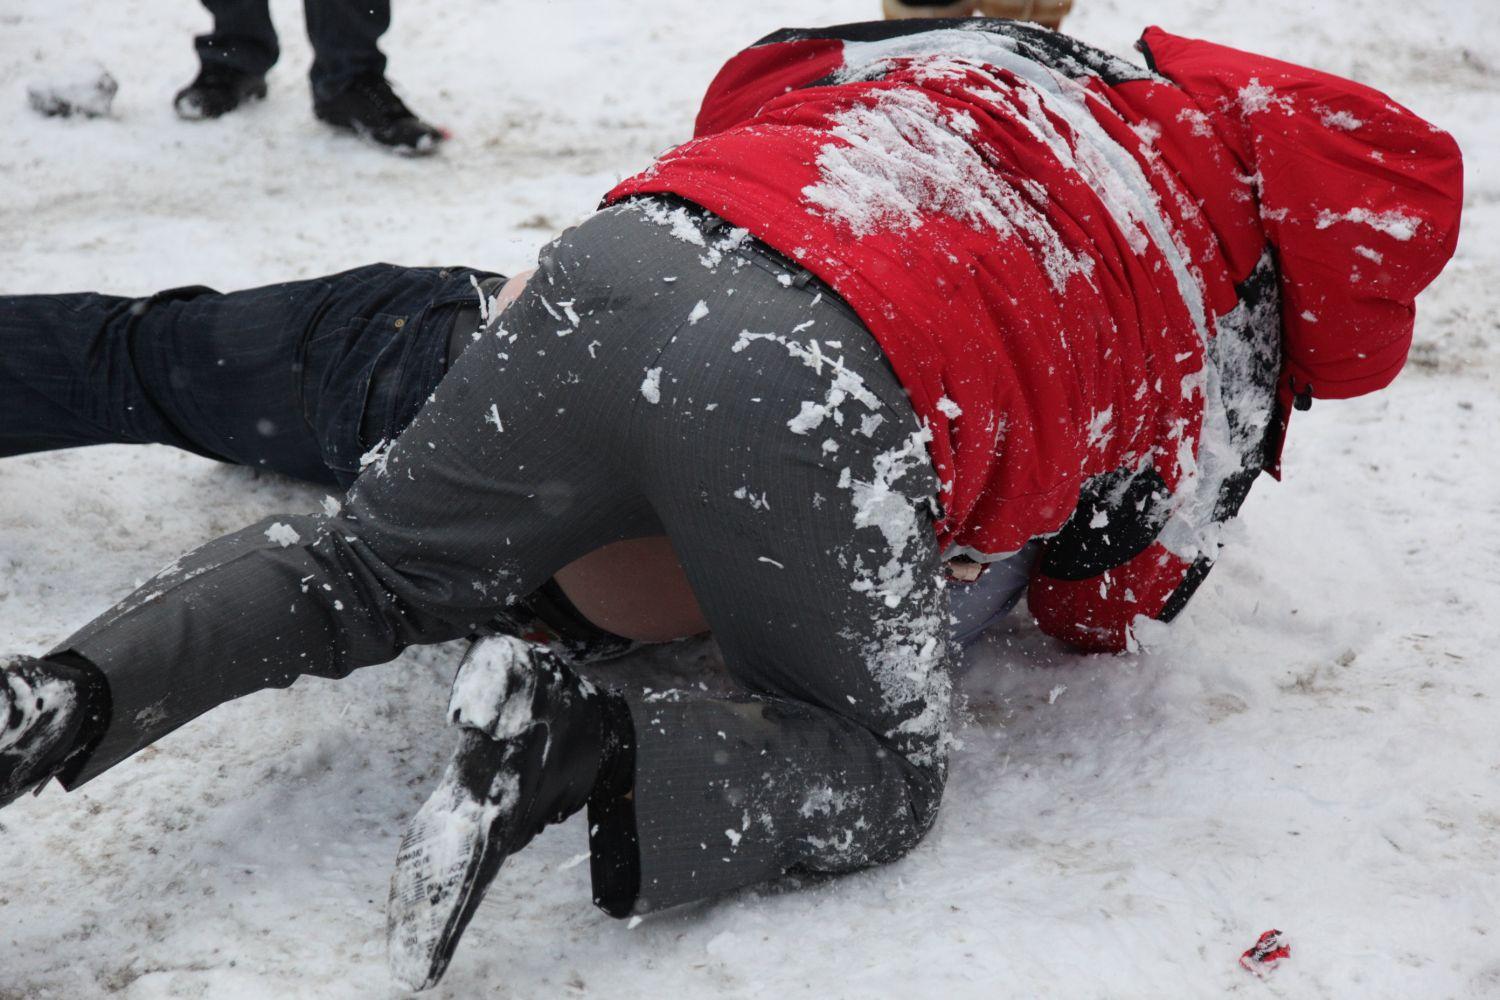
x=922 y=313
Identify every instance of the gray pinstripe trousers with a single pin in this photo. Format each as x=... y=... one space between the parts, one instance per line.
x=660 y=374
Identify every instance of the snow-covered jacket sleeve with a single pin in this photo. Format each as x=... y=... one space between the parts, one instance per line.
x=1108 y=564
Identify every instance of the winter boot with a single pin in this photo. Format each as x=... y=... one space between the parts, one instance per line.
x=899 y=10
x=216 y=91
x=49 y=710
x=370 y=109
x=534 y=739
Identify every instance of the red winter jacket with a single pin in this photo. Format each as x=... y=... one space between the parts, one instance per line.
x=1101 y=286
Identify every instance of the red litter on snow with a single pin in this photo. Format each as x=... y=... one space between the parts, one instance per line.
x=1262 y=957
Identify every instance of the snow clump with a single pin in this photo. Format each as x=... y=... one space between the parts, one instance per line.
x=282 y=534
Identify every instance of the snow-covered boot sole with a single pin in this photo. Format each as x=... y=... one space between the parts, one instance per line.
x=450 y=853
x=529 y=747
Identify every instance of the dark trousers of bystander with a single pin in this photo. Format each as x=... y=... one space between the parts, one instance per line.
x=344 y=36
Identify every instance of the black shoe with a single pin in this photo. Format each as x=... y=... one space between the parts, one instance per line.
x=45 y=715
x=534 y=739
x=217 y=91
x=369 y=108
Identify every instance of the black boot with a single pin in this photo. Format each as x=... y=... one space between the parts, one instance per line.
x=50 y=710
x=369 y=108
x=217 y=91
x=534 y=741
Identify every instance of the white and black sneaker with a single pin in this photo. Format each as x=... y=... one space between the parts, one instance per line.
x=48 y=710
x=534 y=738
x=369 y=108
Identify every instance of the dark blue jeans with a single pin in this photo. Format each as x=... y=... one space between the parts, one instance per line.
x=302 y=378
x=343 y=35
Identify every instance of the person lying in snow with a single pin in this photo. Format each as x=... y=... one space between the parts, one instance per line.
x=921 y=311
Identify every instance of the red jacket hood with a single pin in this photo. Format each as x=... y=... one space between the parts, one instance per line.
x=1359 y=197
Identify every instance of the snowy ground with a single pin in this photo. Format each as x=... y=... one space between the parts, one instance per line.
x=1311 y=747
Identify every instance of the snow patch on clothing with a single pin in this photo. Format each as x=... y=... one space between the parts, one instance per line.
x=492 y=691
x=824 y=800
x=1114 y=175
x=489 y=305
x=377 y=457
x=651 y=385
x=679 y=220
x=909 y=655
x=845 y=385
x=689 y=227
x=1256 y=98
x=756 y=502
x=27 y=704
x=901 y=158
x=1394 y=223
x=282 y=534
x=878 y=504
x=1341 y=120
x=1238 y=386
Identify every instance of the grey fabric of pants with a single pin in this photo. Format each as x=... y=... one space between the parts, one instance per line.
x=661 y=373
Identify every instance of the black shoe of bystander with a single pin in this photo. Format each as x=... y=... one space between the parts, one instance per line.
x=217 y=91
x=369 y=108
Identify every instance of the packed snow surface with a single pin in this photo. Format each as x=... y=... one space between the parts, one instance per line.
x=1310 y=747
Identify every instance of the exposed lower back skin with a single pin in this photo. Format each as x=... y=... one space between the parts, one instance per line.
x=511 y=290
x=635 y=589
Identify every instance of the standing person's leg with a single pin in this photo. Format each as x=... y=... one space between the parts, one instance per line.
x=345 y=36
x=233 y=59
x=243 y=39
x=349 y=87
x=301 y=378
